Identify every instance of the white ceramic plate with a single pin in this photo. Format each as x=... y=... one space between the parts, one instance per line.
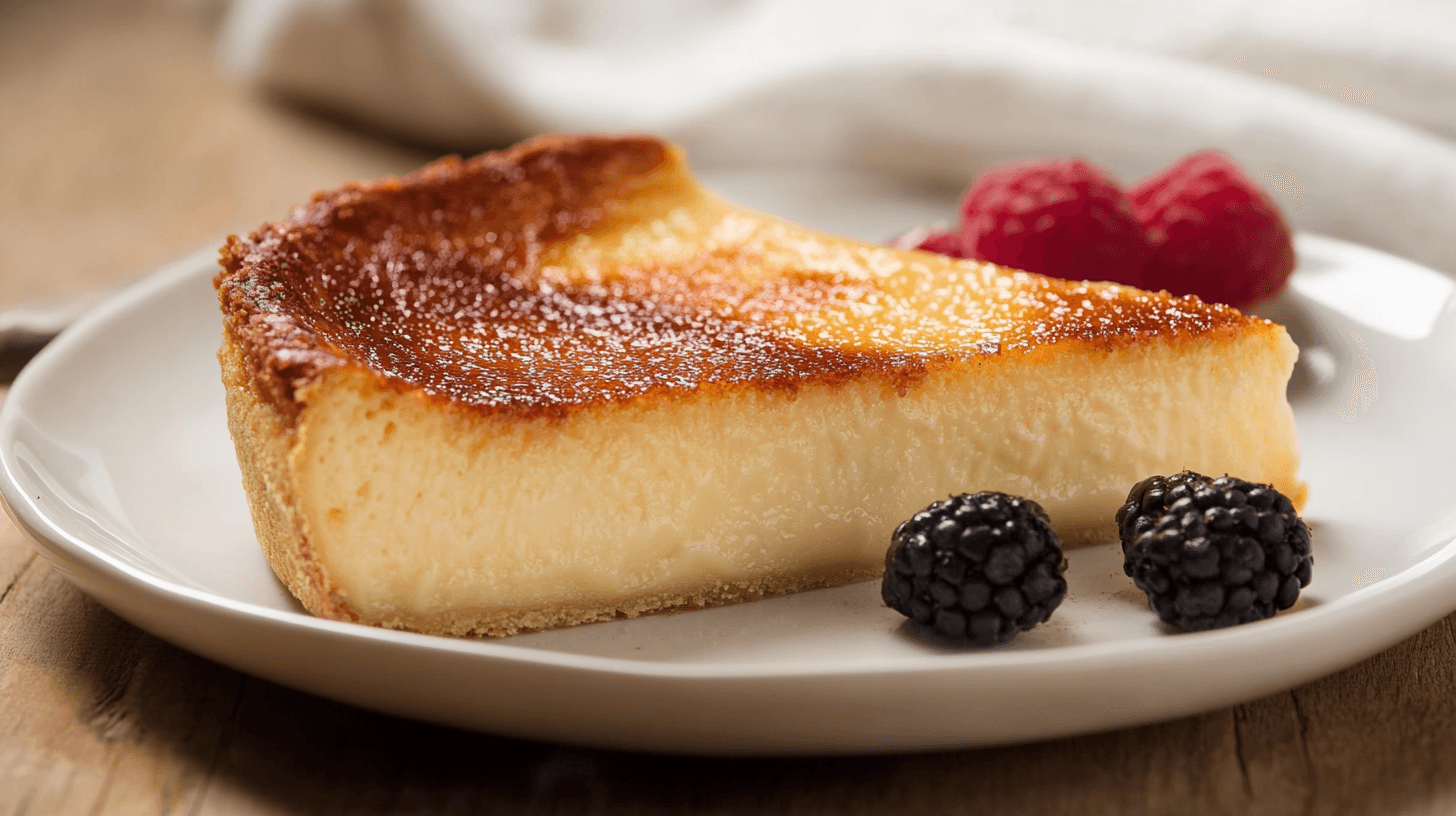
x=117 y=460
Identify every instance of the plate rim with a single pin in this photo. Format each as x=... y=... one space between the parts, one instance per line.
x=1417 y=596
x=55 y=541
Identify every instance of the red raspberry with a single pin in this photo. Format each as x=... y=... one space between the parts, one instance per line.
x=929 y=240
x=1067 y=219
x=1214 y=232
x=946 y=243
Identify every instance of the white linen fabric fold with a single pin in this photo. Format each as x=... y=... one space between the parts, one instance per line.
x=1345 y=110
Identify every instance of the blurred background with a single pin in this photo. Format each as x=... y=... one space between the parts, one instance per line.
x=136 y=131
x=125 y=146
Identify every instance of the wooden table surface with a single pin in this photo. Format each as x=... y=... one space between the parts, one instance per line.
x=121 y=149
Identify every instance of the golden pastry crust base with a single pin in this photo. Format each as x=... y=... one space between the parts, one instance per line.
x=483 y=622
x=264 y=441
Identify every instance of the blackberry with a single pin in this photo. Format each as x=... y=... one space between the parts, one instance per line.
x=975 y=568
x=1212 y=552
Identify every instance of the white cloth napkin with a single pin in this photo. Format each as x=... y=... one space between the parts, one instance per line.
x=1345 y=110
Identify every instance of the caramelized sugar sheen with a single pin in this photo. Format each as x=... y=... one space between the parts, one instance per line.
x=573 y=272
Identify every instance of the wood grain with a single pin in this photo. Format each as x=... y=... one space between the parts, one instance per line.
x=124 y=149
x=99 y=717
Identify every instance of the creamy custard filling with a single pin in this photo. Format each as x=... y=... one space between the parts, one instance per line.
x=412 y=507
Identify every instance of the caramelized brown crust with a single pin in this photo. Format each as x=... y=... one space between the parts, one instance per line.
x=445 y=281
